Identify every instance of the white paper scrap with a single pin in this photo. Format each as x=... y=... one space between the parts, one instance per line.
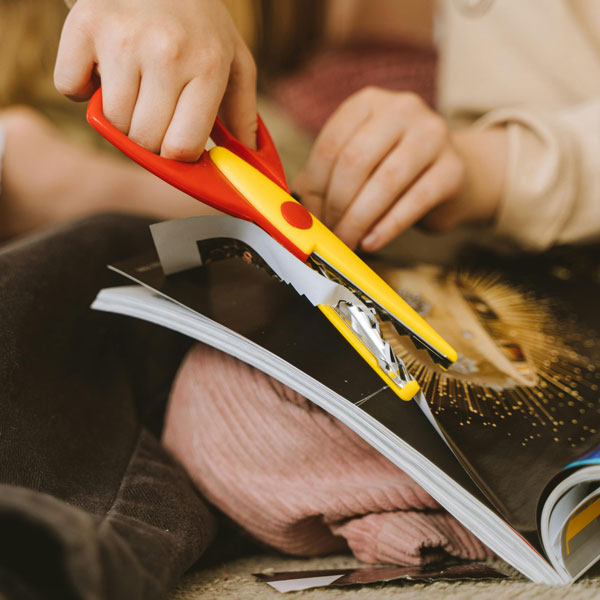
x=296 y=585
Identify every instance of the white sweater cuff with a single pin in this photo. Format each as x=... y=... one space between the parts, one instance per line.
x=541 y=178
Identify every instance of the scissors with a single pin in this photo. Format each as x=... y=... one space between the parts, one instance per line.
x=251 y=185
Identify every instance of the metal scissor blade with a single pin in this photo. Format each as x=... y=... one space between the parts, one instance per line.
x=178 y=244
x=365 y=326
x=330 y=272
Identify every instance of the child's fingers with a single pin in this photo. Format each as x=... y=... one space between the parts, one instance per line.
x=369 y=145
x=120 y=88
x=440 y=182
x=75 y=62
x=312 y=202
x=238 y=107
x=334 y=136
x=193 y=119
x=154 y=108
x=389 y=180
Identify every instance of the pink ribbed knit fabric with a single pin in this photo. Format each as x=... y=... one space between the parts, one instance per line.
x=295 y=477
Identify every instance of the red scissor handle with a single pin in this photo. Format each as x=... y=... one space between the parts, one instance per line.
x=201 y=179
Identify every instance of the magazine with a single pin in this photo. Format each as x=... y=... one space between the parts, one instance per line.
x=507 y=440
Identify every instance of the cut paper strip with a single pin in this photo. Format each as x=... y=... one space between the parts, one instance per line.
x=304 y=580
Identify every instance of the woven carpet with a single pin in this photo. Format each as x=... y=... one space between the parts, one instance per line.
x=234 y=579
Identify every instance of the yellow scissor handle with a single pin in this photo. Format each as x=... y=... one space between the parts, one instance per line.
x=313 y=236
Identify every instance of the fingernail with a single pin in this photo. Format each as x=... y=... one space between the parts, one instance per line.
x=370 y=241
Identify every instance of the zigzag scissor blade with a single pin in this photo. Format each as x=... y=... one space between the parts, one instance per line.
x=419 y=343
x=326 y=269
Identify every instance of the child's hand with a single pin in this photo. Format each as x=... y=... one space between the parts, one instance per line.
x=383 y=162
x=165 y=66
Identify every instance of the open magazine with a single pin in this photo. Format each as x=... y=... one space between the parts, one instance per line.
x=507 y=440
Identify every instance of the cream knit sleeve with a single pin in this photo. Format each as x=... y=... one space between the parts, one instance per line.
x=552 y=190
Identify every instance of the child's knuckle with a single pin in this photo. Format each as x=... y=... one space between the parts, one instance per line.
x=115 y=116
x=142 y=139
x=169 y=43
x=326 y=151
x=435 y=127
x=122 y=41
x=180 y=150
x=388 y=179
x=371 y=91
x=212 y=60
x=409 y=101
x=82 y=21
x=350 y=160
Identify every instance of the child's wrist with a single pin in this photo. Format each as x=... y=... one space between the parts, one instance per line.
x=484 y=155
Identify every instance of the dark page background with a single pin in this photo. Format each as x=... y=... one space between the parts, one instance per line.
x=516 y=457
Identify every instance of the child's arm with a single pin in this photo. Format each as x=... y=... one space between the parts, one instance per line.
x=166 y=68
x=385 y=161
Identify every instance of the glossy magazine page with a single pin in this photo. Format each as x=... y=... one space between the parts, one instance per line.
x=522 y=401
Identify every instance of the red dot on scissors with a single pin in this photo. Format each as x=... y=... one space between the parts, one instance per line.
x=296 y=215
